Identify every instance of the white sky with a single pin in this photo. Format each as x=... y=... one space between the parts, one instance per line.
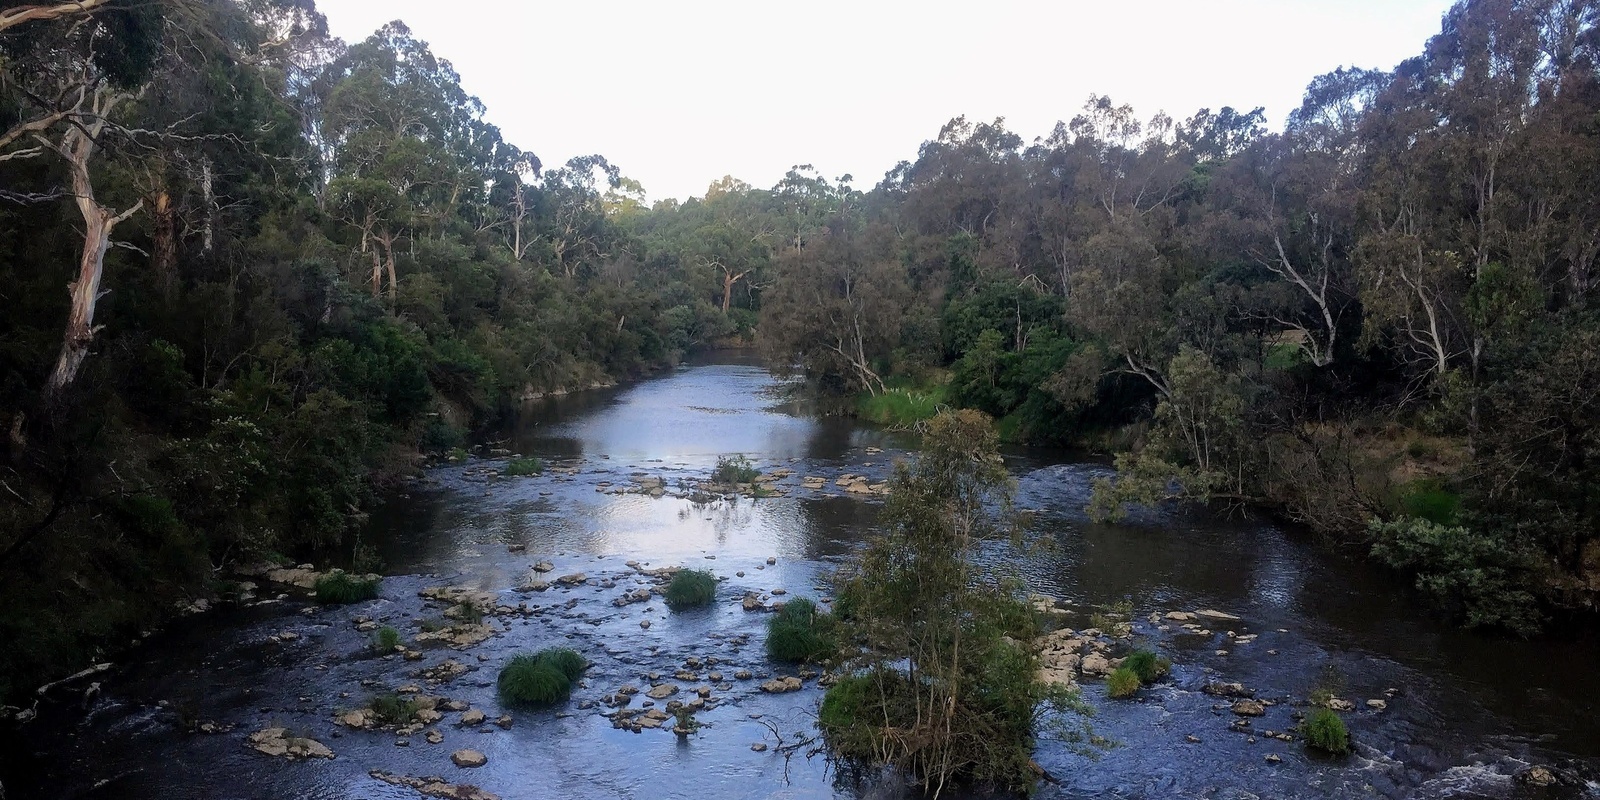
x=680 y=93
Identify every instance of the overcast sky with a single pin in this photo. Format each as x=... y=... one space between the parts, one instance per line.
x=678 y=94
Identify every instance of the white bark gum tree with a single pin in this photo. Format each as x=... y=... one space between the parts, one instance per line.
x=1313 y=282
x=77 y=147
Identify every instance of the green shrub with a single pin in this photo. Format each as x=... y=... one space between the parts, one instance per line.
x=1325 y=731
x=691 y=589
x=438 y=436
x=385 y=639
x=1479 y=574
x=525 y=466
x=857 y=710
x=566 y=661
x=337 y=588
x=734 y=469
x=847 y=601
x=1147 y=665
x=1429 y=499
x=528 y=679
x=392 y=709
x=1122 y=682
x=800 y=633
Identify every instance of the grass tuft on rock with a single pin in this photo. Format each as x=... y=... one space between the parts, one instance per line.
x=531 y=680
x=523 y=467
x=1325 y=730
x=1147 y=665
x=466 y=612
x=339 y=588
x=801 y=633
x=1122 y=683
x=691 y=588
x=392 y=709
x=385 y=639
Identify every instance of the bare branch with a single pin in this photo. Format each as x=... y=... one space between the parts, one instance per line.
x=12 y=17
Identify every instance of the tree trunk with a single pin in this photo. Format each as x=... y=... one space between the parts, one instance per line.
x=387 y=240
x=728 y=281
x=77 y=147
x=164 y=244
x=377 y=273
x=208 y=194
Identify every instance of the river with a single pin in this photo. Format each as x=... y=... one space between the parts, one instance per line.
x=1463 y=712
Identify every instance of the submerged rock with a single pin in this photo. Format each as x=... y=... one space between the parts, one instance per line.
x=1228 y=690
x=434 y=787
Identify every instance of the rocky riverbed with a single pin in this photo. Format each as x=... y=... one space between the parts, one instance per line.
x=271 y=695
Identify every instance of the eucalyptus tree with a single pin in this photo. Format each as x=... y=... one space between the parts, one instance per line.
x=836 y=307
x=67 y=75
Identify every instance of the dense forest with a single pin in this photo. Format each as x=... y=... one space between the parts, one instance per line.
x=294 y=266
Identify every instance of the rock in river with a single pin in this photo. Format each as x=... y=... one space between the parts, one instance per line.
x=278 y=742
x=468 y=758
x=1249 y=708
x=434 y=787
x=787 y=683
x=1228 y=690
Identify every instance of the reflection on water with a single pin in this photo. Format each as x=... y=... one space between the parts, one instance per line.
x=1464 y=712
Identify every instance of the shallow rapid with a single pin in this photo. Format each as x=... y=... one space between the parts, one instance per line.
x=1461 y=714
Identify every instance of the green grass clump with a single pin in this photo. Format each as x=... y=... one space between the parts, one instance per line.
x=1122 y=682
x=543 y=678
x=392 y=709
x=691 y=588
x=531 y=680
x=385 y=639
x=337 y=588
x=901 y=405
x=521 y=467
x=734 y=469
x=800 y=633
x=567 y=662
x=1147 y=665
x=1325 y=731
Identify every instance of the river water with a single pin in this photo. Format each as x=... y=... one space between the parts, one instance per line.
x=1464 y=713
